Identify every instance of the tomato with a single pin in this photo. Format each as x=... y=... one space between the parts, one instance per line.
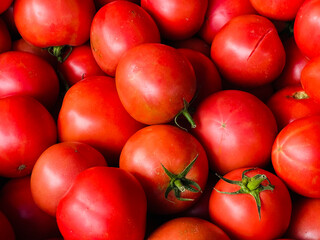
x=103 y=203
x=291 y=103
x=109 y=41
x=6 y=228
x=157 y=156
x=27 y=74
x=100 y=3
x=236 y=129
x=4 y=5
x=221 y=12
x=251 y=204
x=26 y=130
x=97 y=116
x=154 y=81
x=306 y=29
x=248 y=51
x=283 y=10
x=305 y=221
x=28 y=221
x=193 y=43
x=60 y=23
x=79 y=65
x=55 y=170
x=188 y=228
x=295 y=156
x=310 y=78
x=5 y=38
x=177 y=19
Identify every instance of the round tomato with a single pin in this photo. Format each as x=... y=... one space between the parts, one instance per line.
x=5 y=38
x=251 y=204
x=310 y=79
x=55 y=170
x=6 y=229
x=103 y=203
x=26 y=130
x=248 y=51
x=236 y=129
x=295 y=156
x=100 y=3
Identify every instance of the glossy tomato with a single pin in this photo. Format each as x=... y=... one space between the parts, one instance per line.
x=5 y=37
x=6 y=229
x=295 y=156
x=26 y=130
x=310 y=78
x=117 y=27
x=259 y=206
x=103 y=203
x=170 y=164
x=55 y=170
x=236 y=129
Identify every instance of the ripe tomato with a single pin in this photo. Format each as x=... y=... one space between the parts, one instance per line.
x=5 y=38
x=310 y=78
x=236 y=129
x=100 y=3
x=97 y=116
x=248 y=51
x=153 y=82
x=6 y=229
x=26 y=130
x=153 y=151
x=188 y=228
x=4 y=5
x=177 y=19
x=117 y=27
x=295 y=156
x=55 y=170
x=259 y=206
x=103 y=203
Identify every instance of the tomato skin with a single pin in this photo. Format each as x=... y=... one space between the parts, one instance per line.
x=109 y=41
x=24 y=73
x=4 y=5
x=248 y=51
x=27 y=129
x=5 y=38
x=237 y=214
x=6 y=228
x=295 y=156
x=220 y=128
x=55 y=170
x=152 y=81
x=103 y=203
x=98 y=117
x=147 y=149
x=100 y=3
x=187 y=228
x=60 y=22
x=193 y=43
x=310 y=78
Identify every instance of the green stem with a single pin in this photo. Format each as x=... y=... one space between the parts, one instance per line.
x=186 y=114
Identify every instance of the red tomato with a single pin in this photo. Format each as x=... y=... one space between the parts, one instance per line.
x=310 y=78
x=6 y=229
x=291 y=103
x=100 y=3
x=154 y=81
x=295 y=156
x=26 y=130
x=177 y=19
x=236 y=129
x=307 y=29
x=188 y=228
x=240 y=215
x=103 y=203
x=79 y=65
x=28 y=221
x=27 y=74
x=117 y=27
x=154 y=150
x=219 y=13
x=46 y=23
x=55 y=170
x=283 y=10
x=5 y=38
x=248 y=51
x=4 y=5
x=305 y=221
x=97 y=116
x=193 y=43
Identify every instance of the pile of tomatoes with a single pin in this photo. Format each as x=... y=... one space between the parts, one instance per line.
x=159 y=119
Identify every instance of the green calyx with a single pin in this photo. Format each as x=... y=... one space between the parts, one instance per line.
x=250 y=185
x=60 y=52
x=179 y=183
x=186 y=114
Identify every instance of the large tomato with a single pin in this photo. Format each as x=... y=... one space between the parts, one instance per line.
x=170 y=164
x=296 y=153
x=5 y=37
x=103 y=203
x=310 y=79
x=117 y=27
x=251 y=204
x=248 y=51
x=26 y=130
x=236 y=129
x=55 y=170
